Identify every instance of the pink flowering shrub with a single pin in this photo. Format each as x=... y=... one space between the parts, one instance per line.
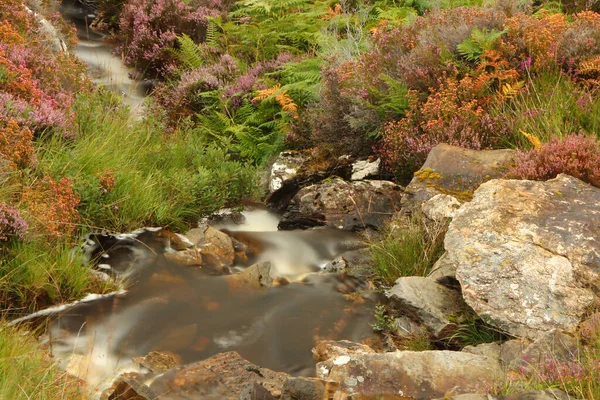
x=149 y=29
x=11 y=223
x=575 y=155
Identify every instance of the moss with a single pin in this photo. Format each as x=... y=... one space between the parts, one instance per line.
x=427 y=174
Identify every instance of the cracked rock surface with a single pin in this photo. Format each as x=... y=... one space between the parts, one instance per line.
x=527 y=253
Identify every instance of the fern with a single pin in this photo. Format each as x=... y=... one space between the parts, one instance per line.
x=479 y=42
x=189 y=54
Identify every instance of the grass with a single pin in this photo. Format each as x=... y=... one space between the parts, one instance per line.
x=28 y=373
x=409 y=246
x=157 y=177
x=551 y=104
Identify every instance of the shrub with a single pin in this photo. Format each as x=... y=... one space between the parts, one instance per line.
x=149 y=29
x=16 y=145
x=11 y=223
x=455 y=113
x=575 y=155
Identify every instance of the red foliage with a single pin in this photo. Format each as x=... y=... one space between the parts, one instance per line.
x=16 y=145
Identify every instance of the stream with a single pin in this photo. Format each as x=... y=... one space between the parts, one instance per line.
x=191 y=315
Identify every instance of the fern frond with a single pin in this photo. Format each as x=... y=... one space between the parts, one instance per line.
x=510 y=91
x=590 y=67
x=265 y=93
x=534 y=140
x=189 y=53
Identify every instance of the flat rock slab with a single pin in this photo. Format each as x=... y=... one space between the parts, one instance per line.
x=548 y=394
x=418 y=375
x=341 y=204
x=455 y=171
x=527 y=253
x=225 y=376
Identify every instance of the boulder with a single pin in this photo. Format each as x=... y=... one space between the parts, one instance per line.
x=527 y=253
x=156 y=361
x=428 y=303
x=545 y=351
x=341 y=204
x=443 y=270
x=285 y=167
x=440 y=207
x=490 y=350
x=351 y=261
x=365 y=169
x=326 y=349
x=455 y=171
x=301 y=388
x=221 y=377
x=418 y=375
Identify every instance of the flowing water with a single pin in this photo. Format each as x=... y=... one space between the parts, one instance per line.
x=183 y=311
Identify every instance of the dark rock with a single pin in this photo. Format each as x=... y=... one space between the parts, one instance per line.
x=345 y=205
x=455 y=171
x=303 y=389
x=528 y=255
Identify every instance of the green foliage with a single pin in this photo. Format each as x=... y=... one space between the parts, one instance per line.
x=409 y=246
x=383 y=321
x=189 y=54
x=474 y=331
x=481 y=40
x=26 y=372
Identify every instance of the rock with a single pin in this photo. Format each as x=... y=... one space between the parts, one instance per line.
x=455 y=171
x=351 y=262
x=196 y=235
x=490 y=350
x=428 y=303
x=285 y=167
x=337 y=265
x=440 y=207
x=365 y=169
x=548 y=394
x=550 y=348
x=527 y=253
x=128 y=386
x=443 y=270
x=589 y=329
x=254 y=277
x=310 y=173
x=326 y=349
x=420 y=375
x=221 y=377
x=344 y=205
x=156 y=361
x=300 y=388
x=511 y=350
x=189 y=257
x=218 y=247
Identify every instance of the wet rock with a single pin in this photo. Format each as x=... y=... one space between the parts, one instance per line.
x=221 y=377
x=548 y=394
x=428 y=303
x=285 y=167
x=419 y=375
x=349 y=262
x=364 y=169
x=327 y=349
x=300 y=388
x=440 y=207
x=196 y=235
x=178 y=242
x=527 y=253
x=345 y=205
x=218 y=247
x=156 y=361
x=189 y=257
x=307 y=175
x=254 y=277
x=128 y=387
x=455 y=171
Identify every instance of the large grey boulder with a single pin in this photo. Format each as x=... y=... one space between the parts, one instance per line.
x=285 y=167
x=455 y=171
x=337 y=203
x=427 y=303
x=418 y=375
x=528 y=253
